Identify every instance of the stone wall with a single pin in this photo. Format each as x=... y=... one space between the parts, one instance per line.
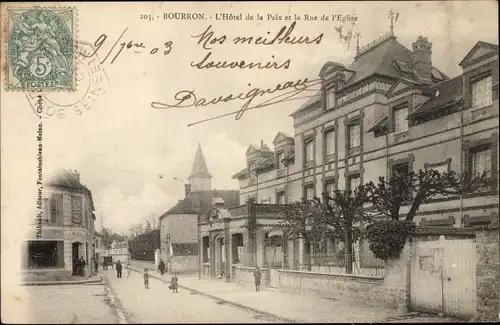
x=243 y=276
x=381 y=291
x=488 y=275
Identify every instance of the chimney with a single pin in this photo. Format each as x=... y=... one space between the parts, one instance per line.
x=422 y=61
x=187 y=189
x=74 y=174
x=261 y=144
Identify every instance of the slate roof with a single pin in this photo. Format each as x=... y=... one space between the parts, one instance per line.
x=387 y=58
x=200 y=169
x=64 y=179
x=201 y=202
x=446 y=92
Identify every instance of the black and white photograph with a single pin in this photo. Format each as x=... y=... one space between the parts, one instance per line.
x=249 y=162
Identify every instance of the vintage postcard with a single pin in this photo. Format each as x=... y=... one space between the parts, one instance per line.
x=249 y=162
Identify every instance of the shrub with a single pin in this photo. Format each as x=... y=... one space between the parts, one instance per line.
x=388 y=237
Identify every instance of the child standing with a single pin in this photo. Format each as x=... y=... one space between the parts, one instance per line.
x=146 y=279
x=257 y=276
x=174 y=284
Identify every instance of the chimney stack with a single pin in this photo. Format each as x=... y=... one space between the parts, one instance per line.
x=74 y=174
x=261 y=144
x=422 y=58
x=187 y=189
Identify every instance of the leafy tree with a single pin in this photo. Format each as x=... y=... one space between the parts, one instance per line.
x=417 y=188
x=299 y=222
x=147 y=226
x=344 y=216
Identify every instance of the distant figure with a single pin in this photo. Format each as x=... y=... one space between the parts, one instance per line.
x=129 y=270
x=161 y=267
x=118 y=269
x=96 y=265
x=146 y=279
x=174 y=283
x=257 y=275
x=82 y=266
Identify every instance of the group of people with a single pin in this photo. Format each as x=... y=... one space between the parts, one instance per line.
x=79 y=266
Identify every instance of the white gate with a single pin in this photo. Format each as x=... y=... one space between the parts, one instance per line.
x=443 y=277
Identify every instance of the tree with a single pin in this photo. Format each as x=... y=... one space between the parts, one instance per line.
x=417 y=188
x=136 y=230
x=147 y=226
x=344 y=216
x=388 y=236
x=299 y=222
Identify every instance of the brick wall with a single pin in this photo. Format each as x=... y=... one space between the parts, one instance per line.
x=488 y=275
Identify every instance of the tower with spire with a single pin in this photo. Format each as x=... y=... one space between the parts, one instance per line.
x=200 y=178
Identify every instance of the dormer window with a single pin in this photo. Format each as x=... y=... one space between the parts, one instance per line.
x=330 y=99
x=482 y=93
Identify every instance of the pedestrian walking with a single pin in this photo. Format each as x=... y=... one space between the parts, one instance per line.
x=146 y=279
x=161 y=267
x=129 y=270
x=82 y=266
x=174 y=284
x=118 y=269
x=257 y=275
x=96 y=266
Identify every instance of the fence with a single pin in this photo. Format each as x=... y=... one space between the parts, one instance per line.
x=364 y=263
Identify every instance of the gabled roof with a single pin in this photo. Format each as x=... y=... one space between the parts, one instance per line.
x=280 y=136
x=201 y=202
x=199 y=169
x=446 y=92
x=242 y=174
x=480 y=50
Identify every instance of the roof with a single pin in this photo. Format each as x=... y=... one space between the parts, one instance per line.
x=381 y=124
x=446 y=92
x=241 y=174
x=313 y=101
x=387 y=58
x=68 y=180
x=201 y=201
x=474 y=52
x=199 y=169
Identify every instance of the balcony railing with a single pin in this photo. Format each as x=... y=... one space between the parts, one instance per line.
x=270 y=209
x=238 y=211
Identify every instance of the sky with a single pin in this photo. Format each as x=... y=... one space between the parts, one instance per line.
x=121 y=145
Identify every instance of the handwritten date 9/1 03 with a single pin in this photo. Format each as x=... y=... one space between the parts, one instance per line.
x=136 y=47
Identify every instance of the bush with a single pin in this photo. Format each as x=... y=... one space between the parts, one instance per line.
x=388 y=237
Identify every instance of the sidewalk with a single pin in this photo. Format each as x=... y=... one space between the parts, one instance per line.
x=90 y=280
x=284 y=306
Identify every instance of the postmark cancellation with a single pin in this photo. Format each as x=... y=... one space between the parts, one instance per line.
x=41 y=48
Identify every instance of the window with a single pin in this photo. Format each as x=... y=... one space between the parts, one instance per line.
x=55 y=208
x=402 y=169
x=354 y=182
x=280 y=156
x=330 y=142
x=400 y=121
x=330 y=188
x=330 y=99
x=76 y=209
x=280 y=198
x=250 y=169
x=440 y=168
x=482 y=93
x=309 y=151
x=480 y=161
x=309 y=192
x=354 y=136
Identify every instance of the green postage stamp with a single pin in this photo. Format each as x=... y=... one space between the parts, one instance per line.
x=40 y=49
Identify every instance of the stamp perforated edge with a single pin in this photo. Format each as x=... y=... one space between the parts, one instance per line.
x=5 y=64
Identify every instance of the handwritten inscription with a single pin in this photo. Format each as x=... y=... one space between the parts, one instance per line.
x=188 y=98
x=136 y=47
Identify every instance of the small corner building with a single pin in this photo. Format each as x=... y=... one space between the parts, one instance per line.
x=67 y=230
x=179 y=225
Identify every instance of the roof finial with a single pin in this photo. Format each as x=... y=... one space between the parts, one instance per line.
x=358 y=36
x=394 y=18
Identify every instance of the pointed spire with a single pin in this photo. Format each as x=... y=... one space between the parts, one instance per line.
x=199 y=169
